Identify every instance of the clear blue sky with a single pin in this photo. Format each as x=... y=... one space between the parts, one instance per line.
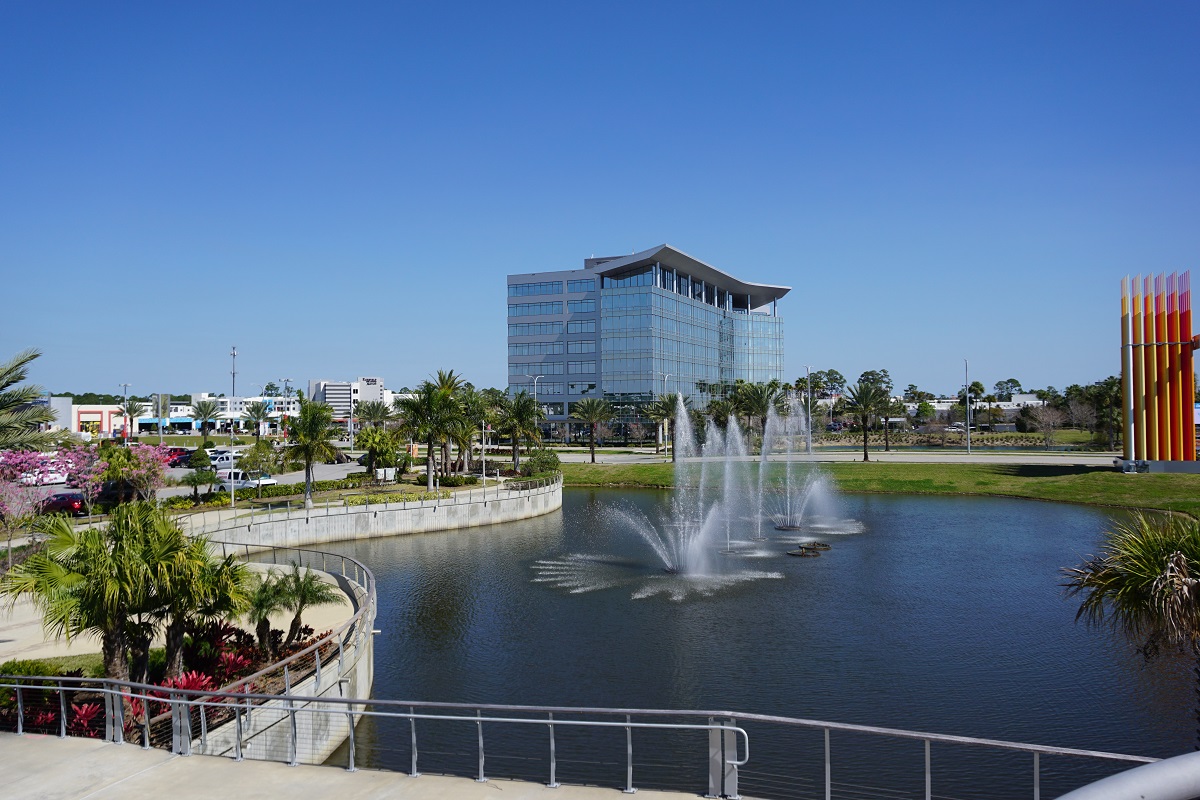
x=340 y=189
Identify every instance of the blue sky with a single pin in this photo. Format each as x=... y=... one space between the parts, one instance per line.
x=340 y=189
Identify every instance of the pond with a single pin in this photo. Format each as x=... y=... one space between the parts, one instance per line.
x=941 y=614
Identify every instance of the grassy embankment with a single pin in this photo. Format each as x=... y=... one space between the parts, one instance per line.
x=1066 y=483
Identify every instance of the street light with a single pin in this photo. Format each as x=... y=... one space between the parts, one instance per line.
x=967 y=398
x=125 y=414
x=808 y=410
x=664 y=424
x=536 y=378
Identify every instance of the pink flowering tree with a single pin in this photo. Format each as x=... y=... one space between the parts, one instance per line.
x=85 y=471
x=147 y=470
x=20 y=497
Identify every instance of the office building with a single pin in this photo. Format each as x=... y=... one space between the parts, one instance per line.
x=630 y=328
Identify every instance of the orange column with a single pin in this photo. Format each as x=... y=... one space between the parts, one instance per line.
x=1175 y=369
x=1161 y=368
x=1139 y=372
x=1150 y=362
x=1188 y=372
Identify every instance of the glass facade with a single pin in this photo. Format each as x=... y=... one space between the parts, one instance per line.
x=633 y=334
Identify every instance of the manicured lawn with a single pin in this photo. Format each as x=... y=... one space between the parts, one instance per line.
x=1062 y=483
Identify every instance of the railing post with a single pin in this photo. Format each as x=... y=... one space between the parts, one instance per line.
x=1037 y=777
x=118 y=700
x=62 y=712
x=479 y=733
x=203 y=723
x=145 y=723
x=20 y=711
x=294 y=741
x=317 y=675
x=237 y=742
x=553 y=784
x=350 y=755
x=828 y=774
x=716 y=766
x=628 y=758
x=730 y=784
x=928 y=774
x=412 y=724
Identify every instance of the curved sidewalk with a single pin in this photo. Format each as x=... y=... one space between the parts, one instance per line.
x=38 y=766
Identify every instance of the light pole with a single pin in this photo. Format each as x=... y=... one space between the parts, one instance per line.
x=125 y=414
x=158 y=401
x=665 y=425
x=287 y=383
x=536 y=378
x=967 y=398
x=808 y=410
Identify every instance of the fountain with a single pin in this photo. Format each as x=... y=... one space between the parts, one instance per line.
x=724 y=505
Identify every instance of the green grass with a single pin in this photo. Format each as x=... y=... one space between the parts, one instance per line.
x=1066 y=483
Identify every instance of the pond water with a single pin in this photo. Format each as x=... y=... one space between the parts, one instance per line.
x=944 y=614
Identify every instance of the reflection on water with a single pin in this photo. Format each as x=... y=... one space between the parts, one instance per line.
x=944 y=614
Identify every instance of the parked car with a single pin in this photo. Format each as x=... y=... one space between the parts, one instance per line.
x=49 y=475
x=230 y=479
x=224 y=460
x=181 y=459
x=64 y=503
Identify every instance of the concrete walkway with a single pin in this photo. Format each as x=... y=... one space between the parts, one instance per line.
x=48 y=768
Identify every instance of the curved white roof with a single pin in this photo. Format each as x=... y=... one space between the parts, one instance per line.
x=761 y=294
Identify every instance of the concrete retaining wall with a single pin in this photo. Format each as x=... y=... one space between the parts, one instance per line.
x=299 y=527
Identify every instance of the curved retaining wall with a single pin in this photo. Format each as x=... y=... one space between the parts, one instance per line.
x=299 y=527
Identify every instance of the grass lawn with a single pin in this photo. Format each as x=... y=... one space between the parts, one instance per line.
x=1066 y=483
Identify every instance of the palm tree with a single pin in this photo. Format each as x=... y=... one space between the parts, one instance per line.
x=519 y=418
x=197 y=478
x=719 y=411
x=19 y=420
x=132 y=409
x=659 y=411
x=373 y=412
x=1142 y=585
x=205 y=411
x=592 y=411
x=257 y=414
x=266 y=599
x=301 y=590
x=427 y=415
x=380 y=445
x=865 y=399
x=308 y=439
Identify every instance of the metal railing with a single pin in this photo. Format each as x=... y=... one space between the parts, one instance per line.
x=720 y=739
x=217 y=520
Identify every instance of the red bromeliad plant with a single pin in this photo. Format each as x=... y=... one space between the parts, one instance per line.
x=83 y=718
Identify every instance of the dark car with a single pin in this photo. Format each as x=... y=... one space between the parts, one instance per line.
x=64 y=503
x=180 y=459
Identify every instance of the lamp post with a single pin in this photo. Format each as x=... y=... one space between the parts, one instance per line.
x=536 y=378
x=808 y=410
x=125 y=414
x=967 y=398
x=665 y=424
x=158 y=402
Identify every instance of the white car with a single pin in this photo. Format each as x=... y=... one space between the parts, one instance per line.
x=239 y=479
x=48 y=475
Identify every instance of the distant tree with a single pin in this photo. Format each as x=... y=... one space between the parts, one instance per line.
x=272 y=389
x=205 y=412
x=1105 y=397
x=380 y=445
x=891 y=409
x=373 y=412
x=865 y=399
x=1005 y=389
x=131 y=409
x=1048 y=420
x=593 y=412
x=1081 y=414
x=301 y=591
x=308 y=439
x=519 y=420
x=257 y=413
x=197 y=478
x=925 y=412
x=914 y=395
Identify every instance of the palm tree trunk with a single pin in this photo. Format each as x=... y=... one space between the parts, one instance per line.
x=116 y=661
x=263 y=631
x=293 y=630
x=174 y=643
x=429 y=459
x=886 y=444
x=866 y=455
x=592 y=440
x=308 y=474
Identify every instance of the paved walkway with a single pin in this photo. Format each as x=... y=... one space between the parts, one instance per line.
x=48 y=768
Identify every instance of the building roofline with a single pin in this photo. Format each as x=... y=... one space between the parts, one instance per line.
x=761 y=294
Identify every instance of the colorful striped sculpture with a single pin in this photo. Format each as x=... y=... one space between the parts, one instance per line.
x=1156 y=368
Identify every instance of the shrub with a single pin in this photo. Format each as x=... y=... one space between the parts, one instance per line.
x=540 y=461
x=458 y=480
x=199 y=459
x=27 y=667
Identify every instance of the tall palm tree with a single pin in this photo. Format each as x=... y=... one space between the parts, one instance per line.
x=518 y=419
x=373 y=412
x=1143 y=585
x=427 y=415
x=755 y=400
x=308 y=439
x=131 y=410
x=205 y=411
x=865 y=399
x=20 y=421
x=257 y=414
x=659 y=411
x=592 y=411
x=302 y=590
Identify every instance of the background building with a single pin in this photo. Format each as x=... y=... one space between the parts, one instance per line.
x=630 y=328
x=343 y=396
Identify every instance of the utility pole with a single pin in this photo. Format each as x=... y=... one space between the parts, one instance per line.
x=125 y=431
x=967 y=397
x=158 y=401
x=287 y=383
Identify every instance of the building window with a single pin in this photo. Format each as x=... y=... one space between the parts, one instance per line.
x=542 y=368
x=579 y=387
x=534 y=309
x=535 y=349
x=577 y=326
x=581 y=367
x=527 y=289
x=535 y=328
x=579 y=306
x=582 y=346
x=588 y=285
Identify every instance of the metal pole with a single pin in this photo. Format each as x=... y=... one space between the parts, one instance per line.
x=125 y=433
x=553 y=784
x=628 y=758
x=928 y=775
x=967 y=398
x=808 y=410
x=412 y=724
x=479 y=731
x=828 y=773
